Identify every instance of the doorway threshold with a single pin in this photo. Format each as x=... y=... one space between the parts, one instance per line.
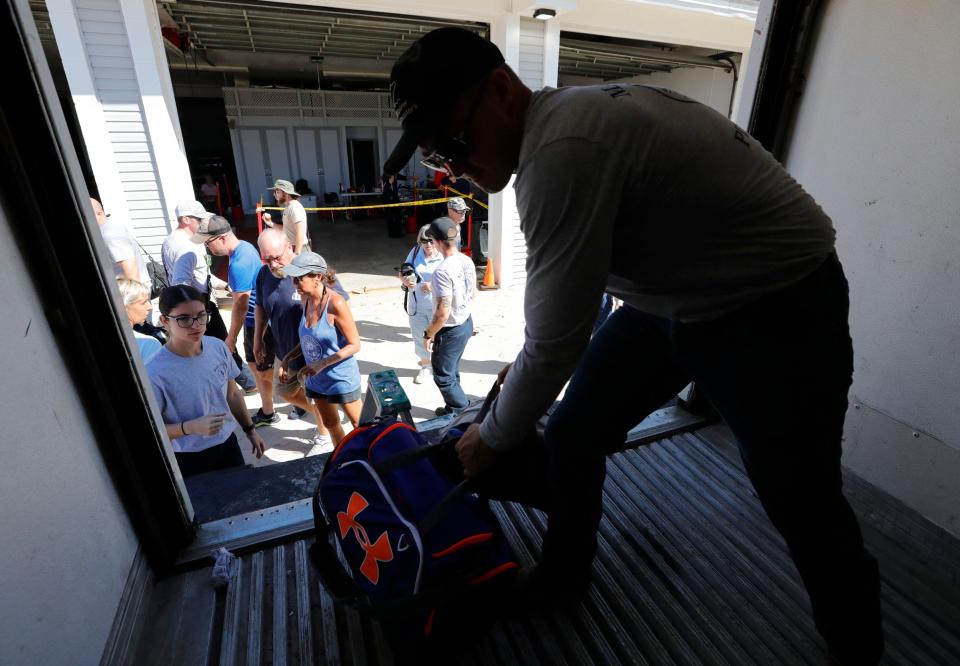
x=246 y=507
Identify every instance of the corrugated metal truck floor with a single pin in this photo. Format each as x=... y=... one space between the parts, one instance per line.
x=690 y=571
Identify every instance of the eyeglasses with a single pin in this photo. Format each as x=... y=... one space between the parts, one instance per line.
x=454 y=149
x=426 y=241
x=210 y=240
x=186 y=321
x=270 y=260
x=298 y=278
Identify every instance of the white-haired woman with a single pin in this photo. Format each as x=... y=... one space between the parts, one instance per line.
x=415 y=274
x=136 y=301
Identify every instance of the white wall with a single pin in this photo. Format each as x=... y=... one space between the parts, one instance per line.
x=877 y=142
x=710 y=86
x=66 y=545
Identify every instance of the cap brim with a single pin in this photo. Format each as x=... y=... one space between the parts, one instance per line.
x=203 y=238
x=402 y=152
x=294 y=271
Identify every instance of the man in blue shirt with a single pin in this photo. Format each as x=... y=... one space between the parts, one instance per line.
x=244 y=265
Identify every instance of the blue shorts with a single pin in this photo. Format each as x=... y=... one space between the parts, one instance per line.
x=336 y=398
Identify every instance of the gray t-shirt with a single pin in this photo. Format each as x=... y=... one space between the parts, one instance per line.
x=185 y=261
x=655 y=198
x=188 y=387
x=123 y=246
x=455 y=277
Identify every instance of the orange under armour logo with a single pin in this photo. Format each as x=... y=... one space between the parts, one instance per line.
x=379 y=551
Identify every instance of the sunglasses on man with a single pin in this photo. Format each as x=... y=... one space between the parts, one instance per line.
x=454 y=149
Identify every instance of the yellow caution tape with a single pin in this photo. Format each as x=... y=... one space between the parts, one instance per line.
x=422 y=202
x=468 y=196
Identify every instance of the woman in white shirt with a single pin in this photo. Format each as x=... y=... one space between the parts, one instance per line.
x=136 y=301
x=418 y=297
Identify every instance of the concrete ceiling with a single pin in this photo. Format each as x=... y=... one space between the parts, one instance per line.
x=258 y=27
x=265 y=43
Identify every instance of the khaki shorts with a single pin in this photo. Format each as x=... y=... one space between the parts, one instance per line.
x=288 y=388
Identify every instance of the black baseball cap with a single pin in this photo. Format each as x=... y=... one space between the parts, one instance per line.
x=442 y=228
x=428 y=77
x=212 y=227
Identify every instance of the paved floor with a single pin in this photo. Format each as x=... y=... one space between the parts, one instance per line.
x=364 y=257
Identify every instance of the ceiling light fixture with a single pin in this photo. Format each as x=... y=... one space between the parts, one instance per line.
x=544 y=14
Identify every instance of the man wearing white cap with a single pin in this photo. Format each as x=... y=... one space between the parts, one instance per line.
x=186 y=263
x=294 y=216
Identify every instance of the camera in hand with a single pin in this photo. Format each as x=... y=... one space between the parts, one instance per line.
x=407 y=270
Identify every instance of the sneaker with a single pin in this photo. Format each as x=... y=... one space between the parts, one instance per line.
x=321 y=444
x=296 y=413
x=260 y=419
x=443 y=411
x=424 y=372
x=250 y=390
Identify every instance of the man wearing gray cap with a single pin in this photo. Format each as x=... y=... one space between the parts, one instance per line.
x=729 y=276
x=294 y=216
x=243 y=265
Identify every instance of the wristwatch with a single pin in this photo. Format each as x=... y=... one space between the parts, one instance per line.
x=426 y=335
x=248 y=429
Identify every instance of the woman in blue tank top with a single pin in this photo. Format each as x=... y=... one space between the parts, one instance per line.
x=328 y=341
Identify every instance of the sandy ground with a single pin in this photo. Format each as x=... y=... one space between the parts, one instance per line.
x=387 y=343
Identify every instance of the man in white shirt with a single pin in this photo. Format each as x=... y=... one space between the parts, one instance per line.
x=124 y=250
x=453 y=286
x=186 y=262
x=294 y=217
x=729 y=277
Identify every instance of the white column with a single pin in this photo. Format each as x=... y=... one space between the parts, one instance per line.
x=551 y=53
x=116 y=69
x=157 y=100
x=505 y=33
x=89 y=111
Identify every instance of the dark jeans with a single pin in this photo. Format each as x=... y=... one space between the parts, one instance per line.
x=218 y=329
x=778 y=371
x=448 y=346
x=221 y=456
x=394 y=222
x=606 y=307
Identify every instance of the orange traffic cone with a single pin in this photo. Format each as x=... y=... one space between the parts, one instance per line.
x=488 y=279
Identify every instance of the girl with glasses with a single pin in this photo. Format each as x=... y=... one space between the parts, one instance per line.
x=192 y=378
